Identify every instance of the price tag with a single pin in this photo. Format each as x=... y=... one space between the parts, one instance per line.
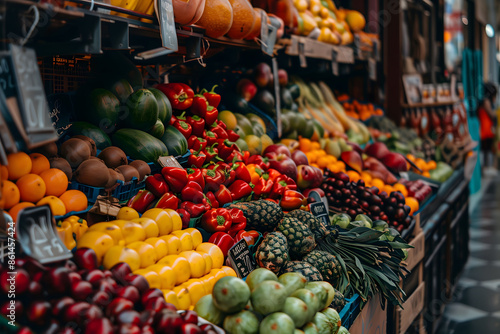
x=320 y=211
x=357 y=46
x=268 y=35
x=167 y=25
x=277 y=93
x=372 y=69
x=241 y=259
x=335 y=63
x=169 y=161
x=38 y=236
x=302 y=56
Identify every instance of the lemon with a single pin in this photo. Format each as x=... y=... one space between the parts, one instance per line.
x=99 y=241
x=167 y=275
x=242 y=144
x=228 y=118
x=180 y=265
x=146 y=253
x=110 y=229
x=254 y=144
x=151 y=276
x=173 y=244
x=118 y=253
x=186 y=239
x=127 y=213
x=266 y=141
x=162 y=218
x=160 y=246
x=196 y=262
x=149 y=226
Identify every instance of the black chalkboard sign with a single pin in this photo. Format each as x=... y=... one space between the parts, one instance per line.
x=241 y=259
x=7 y=79
x=38 y=237
x=320 y=211
x=167 y=24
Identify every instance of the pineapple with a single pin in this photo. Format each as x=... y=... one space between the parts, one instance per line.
x=326 y=263
x=338 y=302
x=308 y=271
x=318 y=228
x=299 y=236
x=261 y=215
x=272 y=252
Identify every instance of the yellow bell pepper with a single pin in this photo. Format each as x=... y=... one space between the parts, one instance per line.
x=79 y=227
x=65 y=232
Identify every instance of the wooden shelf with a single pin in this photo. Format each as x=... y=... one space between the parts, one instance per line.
x=429 y=105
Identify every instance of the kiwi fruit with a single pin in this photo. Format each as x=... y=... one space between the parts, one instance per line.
x=142 y=167
x=90 y=142
x=62 y=164
x=48 y=150
x=114 y=176
x=75 y=151
x=93 y=173
x=113 y=157
x=128 y=172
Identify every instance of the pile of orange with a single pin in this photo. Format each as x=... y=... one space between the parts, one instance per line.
x=361 y=111
x=319 y=158
x=28 y=180
x=376 y=182
x=422 y=164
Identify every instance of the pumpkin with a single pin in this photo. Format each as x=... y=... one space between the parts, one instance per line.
x=188 y=11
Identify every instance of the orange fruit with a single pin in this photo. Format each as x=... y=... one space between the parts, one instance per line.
x=55 y=180
x=4 y=173
x=19 y=164
x=431 y=165
x=421 y=164
x=323 y=162
x=32 y=188
x=410 y=157
x=340 y=166
x=10 y=194
x=353 y=175
x=388 y=189
x=56 y=205
x=74 y=200
x=39 y=163
x=401 y=188
x=376 y=182
x=14 y=211
x=315 y=145
x=366 y=177
x=426 y=174
x=305 y=145
x=412 y=203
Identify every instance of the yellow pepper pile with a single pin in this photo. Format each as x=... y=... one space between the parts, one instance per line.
x=70 y=230
x=171 y=259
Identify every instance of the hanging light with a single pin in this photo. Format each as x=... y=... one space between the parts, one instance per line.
x=490 y=32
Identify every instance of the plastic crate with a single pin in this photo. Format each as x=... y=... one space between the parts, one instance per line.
x=73 y=213
x=350 y=310
x=123 y=192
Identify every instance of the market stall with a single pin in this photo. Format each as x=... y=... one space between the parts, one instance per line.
x=220 y=166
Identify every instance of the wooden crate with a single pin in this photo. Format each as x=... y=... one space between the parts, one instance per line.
x=371 y=319
x=414 y=288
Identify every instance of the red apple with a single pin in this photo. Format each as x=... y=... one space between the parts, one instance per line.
x=117 y=306
x=81 y=290
x=147 y=318
x=14 y=283
x=85 y=258
x=24 y=330
x=75 y=312
x=38 y=312
x=353 y=160
x=99 y=326
x=129 y=329
x=101 y=299
x=119 y=271
x=278 y=149
x=155 y=304
x=395 y=161
x=35 y=289
x=151 y=293
x=12 y=307
x=167 y=321
x=283 y=77
x=71 y=265
x=93 y=312
x=309 y=177
x=189 y=328
x=246 y=89
x=129 y=292
x=107 y=287
x=94 y=277
x=377 y=150
x=283 y=164
x=299 y=158
x=138 y=281
x=262 y=75
x=59 y=304
x=56 y=280
x=190 y=317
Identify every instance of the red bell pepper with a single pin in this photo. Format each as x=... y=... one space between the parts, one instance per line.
x=180 y=95
x=210 y=137
x=219 y=131
x=273 y=174
x=156 y=184
x=141 y=201
x=241 y=171
x=232 y=136
x=211 y=115
x=197 y=124
x=228 y=173
x=223 y=195
x=235 y=228
x=185 y=217
x=290 y=183
x=250 y=237
x=282 y=183
x=216 y=220
x=196 y=159
x=175 y=177
x=240 y=189
x=183 y=128
x=212 y=200
x=193 y=192
x=233 y=157
x=292 y=200
x=237 y=216
x=263 y=188
x=196 y=143
x=226 y=148
x=200 y=105
x=212 y=97
x=223 y=240
x=221 y=124
x=260 y=161
x=195 y=175
x=211 y=153
x=195 y=210
x=168 y=201
x=213 y=179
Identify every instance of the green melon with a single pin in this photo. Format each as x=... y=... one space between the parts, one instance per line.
x=102 y=109
x=158 y=129
x=231 y=294
x=141 y=110
x=164 y=106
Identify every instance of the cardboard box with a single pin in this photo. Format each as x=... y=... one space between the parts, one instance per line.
x=372 y=318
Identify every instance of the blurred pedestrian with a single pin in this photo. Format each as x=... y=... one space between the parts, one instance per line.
x=486 y=115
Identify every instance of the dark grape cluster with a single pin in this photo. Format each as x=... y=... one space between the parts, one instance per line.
x=355 y=198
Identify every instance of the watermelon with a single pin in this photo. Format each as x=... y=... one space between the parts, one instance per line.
x=121 y=88
x=100 y=138
x=141 y=110
x=102 y=108
x=175 y=142
x=164 y=106
x=158 y=129
x=139 y=145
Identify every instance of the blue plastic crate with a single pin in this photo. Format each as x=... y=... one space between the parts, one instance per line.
x=350 y=310
x=123 y=192
x=73 y=213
